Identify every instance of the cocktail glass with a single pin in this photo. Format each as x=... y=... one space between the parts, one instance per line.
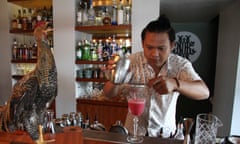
x=136 y=103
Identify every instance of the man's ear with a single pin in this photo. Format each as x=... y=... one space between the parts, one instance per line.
x=173 y=45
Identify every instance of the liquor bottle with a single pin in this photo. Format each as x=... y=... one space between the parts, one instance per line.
x=19 y=19
x=120 y=13
x=24 y=20
x=106 y=17
x=87 y=121
x=14 y=23
x=34 y=51
x=29 y=19
x=14 y=49
x=44 y=12
x=91 y=14
x=38 y=17
x=114 y=47
x=114 y=13
x=20 y=51
x=30 y=51
x=80 y=14
x=127 y=13
x=79 y=51
x=94 y=56
x=85 y=14
x=99 y=50
x=86 y=50
x=34 y=17
x=24 y=51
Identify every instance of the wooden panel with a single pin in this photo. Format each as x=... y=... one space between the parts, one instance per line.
x=106 y=30
x=107 y=112
x=32 y=3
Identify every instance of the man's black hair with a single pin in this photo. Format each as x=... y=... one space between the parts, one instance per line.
x=162 y=24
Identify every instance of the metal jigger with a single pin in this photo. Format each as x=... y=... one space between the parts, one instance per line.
x=187 y=123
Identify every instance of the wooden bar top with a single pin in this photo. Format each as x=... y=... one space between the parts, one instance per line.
x=81 y=137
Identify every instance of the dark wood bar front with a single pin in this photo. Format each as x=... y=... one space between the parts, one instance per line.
x=107 y=111
x=82 y=137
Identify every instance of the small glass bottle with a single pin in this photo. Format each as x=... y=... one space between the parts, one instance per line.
x=179 y=133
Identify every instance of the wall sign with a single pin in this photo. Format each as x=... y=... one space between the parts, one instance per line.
x=188 y=45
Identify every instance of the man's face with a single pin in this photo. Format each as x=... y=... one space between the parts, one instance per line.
x=157 y=48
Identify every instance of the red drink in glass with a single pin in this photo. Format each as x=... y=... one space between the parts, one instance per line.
x=136 y=106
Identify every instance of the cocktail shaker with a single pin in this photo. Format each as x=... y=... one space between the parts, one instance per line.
x=121 y=73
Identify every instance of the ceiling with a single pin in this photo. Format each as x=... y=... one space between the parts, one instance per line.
x=192 y=10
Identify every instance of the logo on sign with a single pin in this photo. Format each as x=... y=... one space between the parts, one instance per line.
x=188 y=45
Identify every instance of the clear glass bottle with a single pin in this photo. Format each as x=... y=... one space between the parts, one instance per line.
x=91 y=14
x=120 y=13
x=179 y=133
x=85 y=14
x=127 y=13
x=14 y=49
x=79 y=51
x=114 y=13
x=80 y=14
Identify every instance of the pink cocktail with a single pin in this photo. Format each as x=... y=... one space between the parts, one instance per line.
x=136 y=102
x=136 y=106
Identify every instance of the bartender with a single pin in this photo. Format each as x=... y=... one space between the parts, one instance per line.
x=168 y=74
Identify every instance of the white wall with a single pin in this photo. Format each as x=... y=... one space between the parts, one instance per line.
x=64 y=52
x=225 y=95
x=5 y=54
x=143 y=11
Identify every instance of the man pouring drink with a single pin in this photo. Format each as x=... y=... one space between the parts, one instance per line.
x=166 y=75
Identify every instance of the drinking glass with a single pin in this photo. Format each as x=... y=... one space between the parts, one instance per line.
x=136 y=103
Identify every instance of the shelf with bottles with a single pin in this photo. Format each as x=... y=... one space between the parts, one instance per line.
x=21 y=69
x=104 y=17
x=25 y=15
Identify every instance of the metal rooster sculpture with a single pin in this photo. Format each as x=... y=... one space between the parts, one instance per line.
x=36 y=90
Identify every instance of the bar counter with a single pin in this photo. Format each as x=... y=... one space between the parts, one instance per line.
x=81 y=137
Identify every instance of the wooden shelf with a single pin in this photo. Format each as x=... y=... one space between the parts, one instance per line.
x=32 y=3
x=24 y=61
x=20 y=31
x=108 y=2
x=17 y=77
x=90 y=62
x=91 y=80
x=106 y=30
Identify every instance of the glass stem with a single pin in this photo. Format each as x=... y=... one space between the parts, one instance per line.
x=135 y=126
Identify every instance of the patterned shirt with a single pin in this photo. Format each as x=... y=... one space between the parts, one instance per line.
x=159 y=109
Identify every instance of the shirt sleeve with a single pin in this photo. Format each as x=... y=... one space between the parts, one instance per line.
x=188 y=73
